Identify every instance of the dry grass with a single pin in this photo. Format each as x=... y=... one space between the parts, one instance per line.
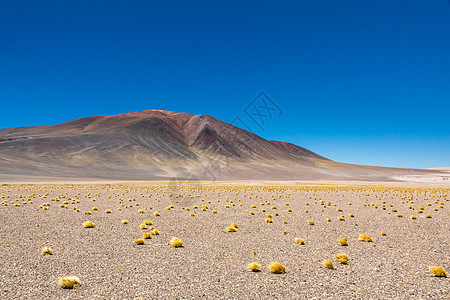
x=69 y=282
x=299 y=241
x=254 y=267
x=365 y=238
x=146 y=235
x=328 y=264
x=88 y=224
x=176 y=242
x=343 y=241
x=47 y=251
x=438 y=271
x=342 y=258
x=318 y=236
x=139 y=242
x=277 y=268
x=231 y=229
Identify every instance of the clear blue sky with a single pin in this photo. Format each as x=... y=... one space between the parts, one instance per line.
x=364 y=82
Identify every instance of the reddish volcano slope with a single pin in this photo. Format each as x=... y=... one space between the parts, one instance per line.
x=159 y=144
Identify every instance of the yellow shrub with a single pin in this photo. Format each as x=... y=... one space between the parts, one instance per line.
x=438 y=271
x=254 y=267
x=328 y=264
x=365 y=238
x=299 y=241
x=343 y=242
x=47 y=251
x=69 y=282
x=139 y=242
x=88 y=224
x=277 y=268
x=342 y=258
x=231 y=229
x=176 y=242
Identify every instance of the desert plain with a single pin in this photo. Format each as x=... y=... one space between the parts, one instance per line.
x=212 y=263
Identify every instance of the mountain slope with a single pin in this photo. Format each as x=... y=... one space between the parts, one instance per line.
x=159 y=144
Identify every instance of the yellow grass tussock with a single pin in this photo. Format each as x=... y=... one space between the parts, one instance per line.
x=438 y=271
x=342 y=258
x=343 y=241
x=299 y=241
x=231 y=229
x=328 y=264
x=254 y=267
x=365 y=238
x=139 y=242
x=277 y=268
x=176 y=242
x=88 y=224
x=146 y=235
x=69 y=282
x=46 y=251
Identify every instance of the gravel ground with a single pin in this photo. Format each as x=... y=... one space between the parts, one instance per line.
x=213 y=262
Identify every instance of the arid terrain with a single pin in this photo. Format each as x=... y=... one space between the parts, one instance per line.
x=231 y=197
x=170 y=146
x=213 y=262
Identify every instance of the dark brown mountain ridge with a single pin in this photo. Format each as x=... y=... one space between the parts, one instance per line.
x=163 y=145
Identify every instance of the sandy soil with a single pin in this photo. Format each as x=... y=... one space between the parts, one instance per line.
x=213 y=262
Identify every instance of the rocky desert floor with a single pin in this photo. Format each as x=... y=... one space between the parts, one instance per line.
x=213 y=262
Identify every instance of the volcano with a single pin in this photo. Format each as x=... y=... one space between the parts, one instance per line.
x=164 y=145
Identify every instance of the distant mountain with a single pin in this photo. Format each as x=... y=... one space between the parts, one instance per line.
x=164 y=145
x=441 y=169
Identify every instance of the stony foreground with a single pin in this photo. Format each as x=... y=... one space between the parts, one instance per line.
x=213 y=262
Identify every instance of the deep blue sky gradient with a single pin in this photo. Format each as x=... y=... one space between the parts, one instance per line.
x=364 y=82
